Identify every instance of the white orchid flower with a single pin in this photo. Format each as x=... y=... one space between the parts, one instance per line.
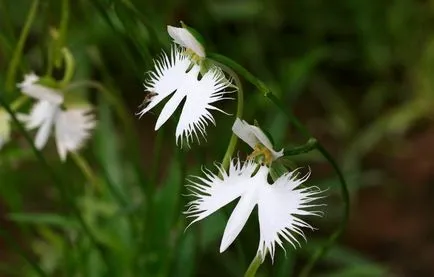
x=72 y=126
x=176 y=76
x=186 y=39
x=5 y=128
x=279 y=204
x=254 y=137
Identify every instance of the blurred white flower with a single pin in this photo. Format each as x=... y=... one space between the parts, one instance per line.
x=186 y=39
x=254 y=137
x=176 y=76
x=279 y=204
x=72 y=126
x=5 y=128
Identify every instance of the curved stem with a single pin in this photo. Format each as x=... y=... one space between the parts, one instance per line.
x=84 y=166
x=16 y=56
x=240 y=106
x=310 y=145
x=69 y=66
x=127 y=124
x=253 y=267
x=59 y=183
x=302 y=129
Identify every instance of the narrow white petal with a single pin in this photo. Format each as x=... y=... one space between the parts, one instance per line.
x=253 y=135
x=184 y=38
x=31 y=88
x=278 y=207
x=72 y=129
x=243 y=130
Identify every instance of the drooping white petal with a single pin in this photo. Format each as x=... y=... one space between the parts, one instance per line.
x=279 y=205
x=5 y=128
x=31 y=88
x=41 y=116
x=177 y=77
x=72 y=128
x=184 y=38
x=244 y=208
x=253 y=136
x=212 y=193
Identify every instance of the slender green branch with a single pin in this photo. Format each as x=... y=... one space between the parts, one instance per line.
x=58 y=181
x=12 y=242
x=63 y=28
x=303 y=130
x=240 y=106
x=254 y=266
x=86 y=169
x=69 y=66
x=16 y=55
x=310 y=145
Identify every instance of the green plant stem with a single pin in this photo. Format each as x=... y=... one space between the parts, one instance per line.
x=310 y=145
x=240 y=106
x=84 y=166
x=58 y=181
x=63 y=28
x=253 y=267
x=69 y=66
x=11 y=241
x=16 y=55
x=125 y=117
x=19 y=102
x=305 y=132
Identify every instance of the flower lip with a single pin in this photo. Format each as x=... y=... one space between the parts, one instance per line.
x=186 y=39
x=252 y=135
x=176 y=78
x=279 y=204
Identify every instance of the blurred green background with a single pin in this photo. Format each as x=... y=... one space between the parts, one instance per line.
x=357 y=73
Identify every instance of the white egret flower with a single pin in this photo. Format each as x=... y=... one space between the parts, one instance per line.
x=176 y=76
x=184 y=38
x=5 y=128
x=255 y=138
x=279 y=204
x=72 y=126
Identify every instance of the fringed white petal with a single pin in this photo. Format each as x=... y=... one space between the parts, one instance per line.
x=177 y=77
x=211 y=193
x=41 y=116
x=184 y=38
x=253 y=135
x=279 y=206
x=72 y=129
x=196 y=115
x=31 y=88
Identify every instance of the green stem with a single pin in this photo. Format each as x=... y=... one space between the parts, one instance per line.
x=303 y=130
x=240 y=106
x=11 y=241
x=310 y=145
x=122 y=113
x=59 y=183
x=86 y=169
x=63 y=28
x=16 y=55
x=253 y=267
x=69 y=66
x=19 y=102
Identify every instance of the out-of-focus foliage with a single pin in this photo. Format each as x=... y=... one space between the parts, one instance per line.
x=358 y=73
